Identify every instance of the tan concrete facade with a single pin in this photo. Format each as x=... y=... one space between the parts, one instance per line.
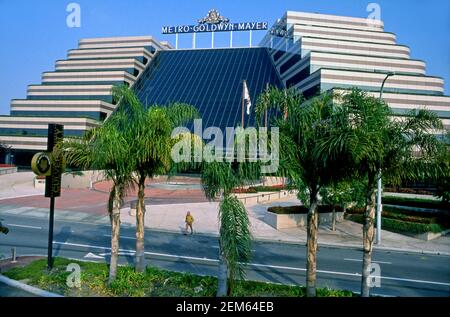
x=322 y=52
x=78 y=94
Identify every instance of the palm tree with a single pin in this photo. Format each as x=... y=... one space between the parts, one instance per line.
x=402 y=149
x=148 y=134
x=220 y=178
x=443 y=181
x=106 y=148
x=5 y=149
x=301 y=124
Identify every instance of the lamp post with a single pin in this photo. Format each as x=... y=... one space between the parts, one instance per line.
x=379 y=205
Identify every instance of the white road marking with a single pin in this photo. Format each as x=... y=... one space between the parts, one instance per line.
x=23 y=226
x=217 y=247
x=359 y=260
x=254 y=264
x=120 y=253
x=413 y=281
x=182 y=257
x=132 y=252
x=91 y=255
x=121 y=237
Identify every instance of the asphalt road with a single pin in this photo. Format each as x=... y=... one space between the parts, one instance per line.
x=402 y=274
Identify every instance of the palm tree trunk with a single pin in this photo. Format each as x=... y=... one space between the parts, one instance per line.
x=115 y=233
x=368 y=235
x=222 y=287
x=140 y=213
x=333 y=220
x=311 y=242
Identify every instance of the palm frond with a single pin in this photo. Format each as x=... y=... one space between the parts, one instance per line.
x=235 y=236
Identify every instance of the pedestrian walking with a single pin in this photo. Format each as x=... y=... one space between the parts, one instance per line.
x=189 y=221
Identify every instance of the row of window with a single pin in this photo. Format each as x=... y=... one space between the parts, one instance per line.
x=290 y=62
x=101 y=116
x=36 y=132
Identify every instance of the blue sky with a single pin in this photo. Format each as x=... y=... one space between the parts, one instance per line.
x=34 y=34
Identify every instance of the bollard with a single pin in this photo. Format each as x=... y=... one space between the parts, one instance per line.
x=13 y=255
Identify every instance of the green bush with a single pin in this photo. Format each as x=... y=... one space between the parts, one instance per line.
x=411 y=227
x=152 y=283
x=302 y=209
x=411 y=215
x=400 y=226
x=415 y=202
x=275 y=188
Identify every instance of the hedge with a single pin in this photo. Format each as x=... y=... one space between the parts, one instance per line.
x=401 y=226
x=414 y=202
x=302 y=209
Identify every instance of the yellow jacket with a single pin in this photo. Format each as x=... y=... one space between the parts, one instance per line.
x=189 y=219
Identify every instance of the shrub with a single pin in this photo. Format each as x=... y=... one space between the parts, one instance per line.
x=411 y=227
x=153 y=282
x=408 y=191
x=244 y=191
x=302 y=209
x=400 y=226
x=415 y=202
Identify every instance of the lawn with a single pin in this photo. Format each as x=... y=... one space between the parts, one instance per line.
x=152 y=283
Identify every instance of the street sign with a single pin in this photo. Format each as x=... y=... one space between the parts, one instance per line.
x=53 y=181
x=51 y=165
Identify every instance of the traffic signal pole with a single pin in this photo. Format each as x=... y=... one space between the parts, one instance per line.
x=51 y=165
x=50 y=234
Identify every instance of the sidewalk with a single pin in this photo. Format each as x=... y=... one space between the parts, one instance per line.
x=18 y=184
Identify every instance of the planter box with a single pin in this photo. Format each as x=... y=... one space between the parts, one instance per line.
x=285 y=221
x=427 y=236
x=79 y=180
x=8 y=170
x=262 y=197
x=39 y=183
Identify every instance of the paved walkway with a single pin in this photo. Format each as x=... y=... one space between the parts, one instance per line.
x=167 y=208
x=18 y=185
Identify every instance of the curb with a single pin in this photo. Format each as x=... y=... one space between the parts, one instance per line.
x=27 y=288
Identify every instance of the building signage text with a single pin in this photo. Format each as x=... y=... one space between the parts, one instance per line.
x=214 y=22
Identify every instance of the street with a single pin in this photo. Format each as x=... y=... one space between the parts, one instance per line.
x=402 y=274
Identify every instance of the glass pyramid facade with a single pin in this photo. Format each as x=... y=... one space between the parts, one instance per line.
x=209 y=79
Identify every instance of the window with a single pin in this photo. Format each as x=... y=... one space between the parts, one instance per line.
x=290 y=62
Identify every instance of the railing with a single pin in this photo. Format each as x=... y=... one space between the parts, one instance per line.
x=267 y=196
x=8 y=170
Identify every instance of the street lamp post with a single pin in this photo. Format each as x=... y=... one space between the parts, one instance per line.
x=379 y=205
